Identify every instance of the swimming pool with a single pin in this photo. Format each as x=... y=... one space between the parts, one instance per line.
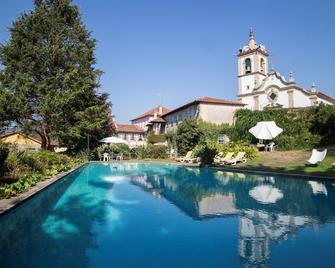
x=163 y=215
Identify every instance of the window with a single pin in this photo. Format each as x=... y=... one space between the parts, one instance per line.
x=221 y=139
x=273 y=96
x=247 y=66
x=262 y=65
x=132 y=136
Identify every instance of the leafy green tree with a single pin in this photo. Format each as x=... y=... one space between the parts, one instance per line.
x=188 y=135
x=323 y=123
x=49 y=67
x=5 y=107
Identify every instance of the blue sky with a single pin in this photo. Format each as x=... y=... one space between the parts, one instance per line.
x=178 y=50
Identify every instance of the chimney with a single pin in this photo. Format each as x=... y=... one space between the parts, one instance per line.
x=160 y=110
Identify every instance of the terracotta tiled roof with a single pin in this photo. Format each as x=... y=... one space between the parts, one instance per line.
x=206 y=100
x=129 y=128
x=151 y=112
x=157 y=120
x=326 y=97
x=219 y=101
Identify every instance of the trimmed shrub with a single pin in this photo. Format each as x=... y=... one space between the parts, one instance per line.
x=153 y=138
x=303 y=141
x=152 y=151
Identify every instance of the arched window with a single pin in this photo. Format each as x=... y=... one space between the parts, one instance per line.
x=262 y=65
x=247 y=66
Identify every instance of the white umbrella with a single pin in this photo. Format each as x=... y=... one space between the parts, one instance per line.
x=113 y=140
x=266 y=194
x=266 y=130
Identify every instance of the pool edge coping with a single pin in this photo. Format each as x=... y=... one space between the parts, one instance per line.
x=282 y=174
x=9 y=204
x=227 y=168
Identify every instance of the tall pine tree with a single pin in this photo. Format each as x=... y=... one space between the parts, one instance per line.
x=49 y=69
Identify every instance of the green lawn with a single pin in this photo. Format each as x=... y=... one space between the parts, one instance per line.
x=292 y=162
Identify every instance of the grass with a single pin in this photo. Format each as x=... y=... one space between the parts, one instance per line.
x=293 y=162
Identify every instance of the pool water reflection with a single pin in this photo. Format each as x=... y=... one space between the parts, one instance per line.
x=163 y=215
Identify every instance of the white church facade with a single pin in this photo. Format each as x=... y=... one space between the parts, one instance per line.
x=259 y=88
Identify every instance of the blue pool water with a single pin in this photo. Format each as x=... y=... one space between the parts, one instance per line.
x=163 y=215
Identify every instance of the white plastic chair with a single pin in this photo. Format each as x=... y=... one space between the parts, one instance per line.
x=105 y=157
x=270 y=147
x=317 y=156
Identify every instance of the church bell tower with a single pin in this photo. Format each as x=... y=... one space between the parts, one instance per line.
x=252 y=66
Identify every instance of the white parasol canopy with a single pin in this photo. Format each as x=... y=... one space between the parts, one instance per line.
x=113 y=140
x=266 y=130
x=266 y=194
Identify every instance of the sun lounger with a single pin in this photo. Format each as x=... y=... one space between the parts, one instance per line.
x=193 y=160
x=317 y=156
x=219 y=160
x=240 y=157
x=186 y=157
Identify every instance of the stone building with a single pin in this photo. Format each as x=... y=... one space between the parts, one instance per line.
x=217 y=111
x=259 y=87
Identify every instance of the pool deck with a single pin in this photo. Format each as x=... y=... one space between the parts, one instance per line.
x=7 y=204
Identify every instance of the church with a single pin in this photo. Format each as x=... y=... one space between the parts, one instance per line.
x=259 y=87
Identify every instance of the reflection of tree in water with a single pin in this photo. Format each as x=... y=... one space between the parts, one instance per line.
x=54 y=229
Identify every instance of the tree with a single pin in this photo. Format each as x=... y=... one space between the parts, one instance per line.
x=49 y=69
x=188 y=135
x=4 y=107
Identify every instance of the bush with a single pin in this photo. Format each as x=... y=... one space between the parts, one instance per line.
x=152 y=151
x=210 y=132
x=207 y=151
x=4 y=151
x=303 y=141
x=156 y=151
x=153 y=138
x=303 y=128
x=18 y=162
x=29 y=179
x=118 y=148
x=188 y=135
x=323 y=123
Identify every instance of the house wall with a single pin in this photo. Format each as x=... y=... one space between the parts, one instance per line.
x=22 y=142
x=133 y=139
x=172 y=120
x=218 y=113
x=142 y=122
